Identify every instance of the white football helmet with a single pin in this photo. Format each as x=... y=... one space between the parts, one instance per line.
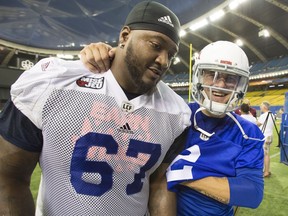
x=225 y=61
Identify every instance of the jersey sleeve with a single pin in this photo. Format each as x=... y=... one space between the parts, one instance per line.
x=28 y=92
x=251 y=155
x=175 y=104
x=246 y=189
x=17 y=129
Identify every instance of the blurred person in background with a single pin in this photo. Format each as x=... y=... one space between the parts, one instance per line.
x=251 y=109
x=245 y=113
x=266 y=124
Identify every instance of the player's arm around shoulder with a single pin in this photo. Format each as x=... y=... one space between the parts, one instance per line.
x=161 y=201
x=16 y=167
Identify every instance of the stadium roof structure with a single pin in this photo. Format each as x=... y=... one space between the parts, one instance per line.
x=51 y=27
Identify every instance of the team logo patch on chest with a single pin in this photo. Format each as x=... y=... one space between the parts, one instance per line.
x=127 y=107
x=89 y=82
x=204 y=137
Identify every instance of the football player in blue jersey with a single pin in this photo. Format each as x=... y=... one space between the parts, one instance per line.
x=222 y=163
x=96 y=136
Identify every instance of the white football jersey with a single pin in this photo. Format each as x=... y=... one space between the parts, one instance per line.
x=99 y=148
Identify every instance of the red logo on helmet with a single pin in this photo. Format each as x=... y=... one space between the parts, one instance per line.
x=225 y=62
x=44 y=66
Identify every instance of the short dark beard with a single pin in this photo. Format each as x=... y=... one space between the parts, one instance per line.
x=135 y=73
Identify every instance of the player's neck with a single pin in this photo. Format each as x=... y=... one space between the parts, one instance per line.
x=130 y=95
x=120 y=72
x=207 y=113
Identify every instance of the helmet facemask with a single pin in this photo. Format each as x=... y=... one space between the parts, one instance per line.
x=218 y=83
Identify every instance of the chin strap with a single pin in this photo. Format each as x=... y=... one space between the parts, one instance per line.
x=241 y=129
x=207 y=134
x=238 y=124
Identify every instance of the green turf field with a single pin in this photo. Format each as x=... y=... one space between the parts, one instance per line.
x=275 y=202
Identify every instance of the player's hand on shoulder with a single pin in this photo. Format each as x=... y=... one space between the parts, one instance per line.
x=97 y=57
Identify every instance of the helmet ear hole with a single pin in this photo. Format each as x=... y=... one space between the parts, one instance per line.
x=240 y=95
x=199 y=87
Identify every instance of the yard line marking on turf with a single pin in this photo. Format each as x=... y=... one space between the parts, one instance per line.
x=274 y=155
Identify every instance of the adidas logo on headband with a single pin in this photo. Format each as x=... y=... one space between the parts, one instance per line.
x=166 y=19
x=153 y=16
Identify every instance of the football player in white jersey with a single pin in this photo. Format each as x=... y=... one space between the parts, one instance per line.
x=222 y=163
x=103 y=141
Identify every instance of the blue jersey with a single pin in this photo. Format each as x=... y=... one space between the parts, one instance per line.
x=220 y=156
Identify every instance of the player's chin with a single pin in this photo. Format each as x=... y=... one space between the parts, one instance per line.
x=223 y=99
x=148 y=87
x=151 y=81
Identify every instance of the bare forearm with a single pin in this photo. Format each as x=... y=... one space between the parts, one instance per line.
x=15 y=199
x=213 y=187
x=16 y=167
x=162 y=203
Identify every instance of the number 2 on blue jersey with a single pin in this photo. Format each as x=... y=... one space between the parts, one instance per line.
x=80 y=165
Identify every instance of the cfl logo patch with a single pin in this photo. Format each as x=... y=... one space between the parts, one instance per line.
x=89 y=82
x=127 y=107
x=204 y=137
